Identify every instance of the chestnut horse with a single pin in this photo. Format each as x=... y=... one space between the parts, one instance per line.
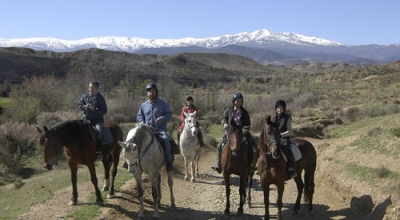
x=77 y=139
x=234 y=160
x=272 y=168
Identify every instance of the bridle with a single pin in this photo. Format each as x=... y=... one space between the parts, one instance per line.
x=140 y=156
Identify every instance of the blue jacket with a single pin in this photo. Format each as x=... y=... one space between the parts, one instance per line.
x=150 y=111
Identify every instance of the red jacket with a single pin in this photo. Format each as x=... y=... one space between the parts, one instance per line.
x=189 y=109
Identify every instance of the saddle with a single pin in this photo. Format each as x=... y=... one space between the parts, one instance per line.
x=107 y=136
x=295 y=151
x=174 y=147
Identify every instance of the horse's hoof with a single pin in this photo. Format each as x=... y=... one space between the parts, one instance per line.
x=186 y=179
x=110 y=196
x=72 y=202
x=193 y=180
x=239 y=213
x=227 y=213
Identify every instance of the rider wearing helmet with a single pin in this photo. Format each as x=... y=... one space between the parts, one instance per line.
x=156 y=113
x=190 y=108
x=284 y=123
x=239 y=116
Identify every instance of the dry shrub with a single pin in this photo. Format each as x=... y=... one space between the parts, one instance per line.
x=52 y=118
x=17 y=145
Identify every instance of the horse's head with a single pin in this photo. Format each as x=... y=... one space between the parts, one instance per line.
x=235 y=138
x=190 y=122
x=130 y=148
x=50 y=147
x=269 y=138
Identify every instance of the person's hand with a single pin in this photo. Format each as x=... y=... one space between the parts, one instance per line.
x=160 y=120
x=89 y=106
x=225 y=126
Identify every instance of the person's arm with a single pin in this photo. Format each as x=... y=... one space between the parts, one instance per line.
x=225 y=118
x=101 y=107
x=289 y=131
x=183 y=113
x=140 y=115
x=82 y=103
x=245 y=122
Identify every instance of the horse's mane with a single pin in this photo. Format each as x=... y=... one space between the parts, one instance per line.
x=141 y=133
x=64 y=124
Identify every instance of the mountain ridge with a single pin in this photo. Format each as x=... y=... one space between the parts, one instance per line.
x=285 y=45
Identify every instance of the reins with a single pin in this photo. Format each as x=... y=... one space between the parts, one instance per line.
x=139 y=159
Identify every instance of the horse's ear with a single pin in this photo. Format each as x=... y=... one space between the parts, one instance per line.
x=46 y=129
x=195 y=113
x=38 y=129
x=121 y=143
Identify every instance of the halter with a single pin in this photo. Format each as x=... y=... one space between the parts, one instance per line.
x=139 y=159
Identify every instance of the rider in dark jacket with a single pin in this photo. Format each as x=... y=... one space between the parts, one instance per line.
x=284 y=123
x=94 y=108
x=238 y=115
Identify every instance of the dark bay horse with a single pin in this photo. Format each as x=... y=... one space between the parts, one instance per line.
x=272 y=168
x=76 y=138
x=234 y=160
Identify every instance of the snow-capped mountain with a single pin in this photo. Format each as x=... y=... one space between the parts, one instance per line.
x=130 y=44
x=287 y=44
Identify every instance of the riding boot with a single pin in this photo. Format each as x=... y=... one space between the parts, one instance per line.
x=99 y=155
x=218 y=166
x=200 y=137
x=252 y=159
x=291 y=163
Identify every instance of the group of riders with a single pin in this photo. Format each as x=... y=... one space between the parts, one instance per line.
x=156 y=113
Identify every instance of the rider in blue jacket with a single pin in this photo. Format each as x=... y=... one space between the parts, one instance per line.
x=156 y=113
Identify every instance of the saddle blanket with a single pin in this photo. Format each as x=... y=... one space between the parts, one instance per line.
x=296 y=152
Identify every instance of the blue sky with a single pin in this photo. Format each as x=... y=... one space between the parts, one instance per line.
x=347 y=21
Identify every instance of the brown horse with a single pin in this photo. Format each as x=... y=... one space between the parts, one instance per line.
x=234 y=160
x=272 y=168
x=77 y=139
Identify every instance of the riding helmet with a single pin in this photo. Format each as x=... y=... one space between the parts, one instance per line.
x=282 y=103
x=151 y=86
x=237 y=96
x=189 y=98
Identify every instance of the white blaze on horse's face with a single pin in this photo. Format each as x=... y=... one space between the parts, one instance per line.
x=190 y=121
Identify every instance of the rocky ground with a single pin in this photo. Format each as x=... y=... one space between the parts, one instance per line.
x=205 y=198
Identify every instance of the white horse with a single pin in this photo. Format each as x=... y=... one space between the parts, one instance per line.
x=144 y=154
x=189 y=145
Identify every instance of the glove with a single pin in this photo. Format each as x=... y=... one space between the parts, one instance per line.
x=225 y=126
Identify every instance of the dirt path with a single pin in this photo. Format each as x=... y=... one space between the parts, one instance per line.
x=204 y=199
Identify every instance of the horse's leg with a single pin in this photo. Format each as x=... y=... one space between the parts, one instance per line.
x=185 y=158
x=300 y=187
x=227 y=193
x=242 y=194
x=156 y=193
x=249 y=185
x=197 y=159
x=171 y=192
x=138 y=178
x=93 y=178
x=309 y=189
x=74 y=169
x=193 y=164
x=106 y=166
x=265 y=187
x=279 y=203
x=114 y=171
